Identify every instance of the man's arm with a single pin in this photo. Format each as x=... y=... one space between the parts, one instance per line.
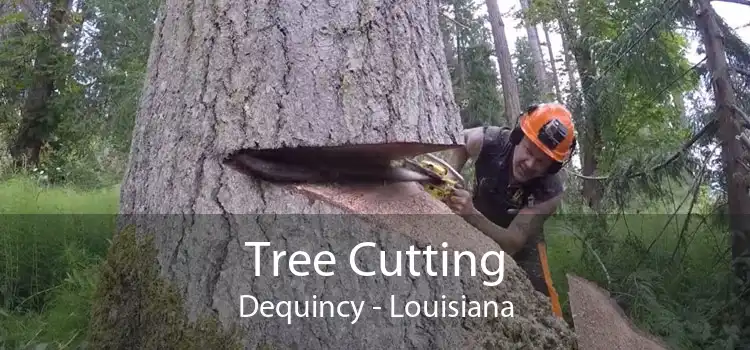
x=507 y=239
x=473 y=139
x=528 y=222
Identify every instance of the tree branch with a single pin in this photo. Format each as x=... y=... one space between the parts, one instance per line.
x=745 y=118
x=741 y=2
x=741 y=71
x=453 y=20
x=706 y=129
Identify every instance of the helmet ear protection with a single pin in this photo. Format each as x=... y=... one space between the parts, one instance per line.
x=516 y=135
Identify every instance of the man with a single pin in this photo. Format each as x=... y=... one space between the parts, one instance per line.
x=517 y=185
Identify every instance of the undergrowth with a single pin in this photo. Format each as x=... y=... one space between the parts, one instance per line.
x=670 y=277
x=51 y=243
x=669 y=274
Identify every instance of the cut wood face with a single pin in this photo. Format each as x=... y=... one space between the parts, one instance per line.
x=600 y=323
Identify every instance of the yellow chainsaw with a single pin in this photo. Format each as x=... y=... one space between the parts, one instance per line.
x=444 y=178
x=336 y=165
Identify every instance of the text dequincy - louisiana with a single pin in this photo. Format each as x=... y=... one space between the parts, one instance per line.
x=250 y=306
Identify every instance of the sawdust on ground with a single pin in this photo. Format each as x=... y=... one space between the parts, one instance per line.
x=429 y=220
x=600 y=324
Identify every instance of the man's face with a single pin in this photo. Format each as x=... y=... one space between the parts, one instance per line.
x=529 y=161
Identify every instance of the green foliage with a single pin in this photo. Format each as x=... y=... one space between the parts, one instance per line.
x=54 y=276
x=32 y=260
x=51 y=242
x=17 y=51
x=528 y=88
x=117 y=64
x=475 y=79
x=667 y=272
x=483 y=105
x=97 y=85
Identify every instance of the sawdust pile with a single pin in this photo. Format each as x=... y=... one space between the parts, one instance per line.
x=599 y=322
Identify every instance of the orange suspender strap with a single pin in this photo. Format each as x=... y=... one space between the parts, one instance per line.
x=548 y=280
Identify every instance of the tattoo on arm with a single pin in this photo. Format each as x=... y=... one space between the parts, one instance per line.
x=506 y=239
x=530 y=221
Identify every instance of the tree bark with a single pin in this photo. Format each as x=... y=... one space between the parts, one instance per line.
x=508 y=80
x=229 y=76
x=737 y=176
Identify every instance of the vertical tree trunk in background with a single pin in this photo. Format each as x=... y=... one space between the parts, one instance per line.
x=590 y=134
x=508 y=80
x=737 y=179
x=38 y=120
x=553 y=64
x=460 y=63
x=536 y=55
x=447 y=41
x=591 y=138
x=569 y=68
x=233 y=75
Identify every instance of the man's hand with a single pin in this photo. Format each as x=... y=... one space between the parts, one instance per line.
x=460 y=202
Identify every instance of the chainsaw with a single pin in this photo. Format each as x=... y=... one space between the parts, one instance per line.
x=446 y=178
x=322 y=165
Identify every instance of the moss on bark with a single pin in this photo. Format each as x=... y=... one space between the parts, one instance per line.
x=134 y=308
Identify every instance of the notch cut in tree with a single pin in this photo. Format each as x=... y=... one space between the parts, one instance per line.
x=230 y=77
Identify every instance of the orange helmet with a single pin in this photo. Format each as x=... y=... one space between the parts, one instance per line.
x=550 y=127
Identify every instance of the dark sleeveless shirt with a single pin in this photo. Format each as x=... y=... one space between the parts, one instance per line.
x=493 y=196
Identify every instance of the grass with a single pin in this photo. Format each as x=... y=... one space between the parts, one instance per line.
x=671 y=278
x=53 y=239
x=51 y=242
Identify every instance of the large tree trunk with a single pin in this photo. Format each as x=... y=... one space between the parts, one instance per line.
x=229 y=76
x=508 y=80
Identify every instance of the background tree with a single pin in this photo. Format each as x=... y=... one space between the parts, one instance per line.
x=502 y=54
x=529 y=89
x=475 y=84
